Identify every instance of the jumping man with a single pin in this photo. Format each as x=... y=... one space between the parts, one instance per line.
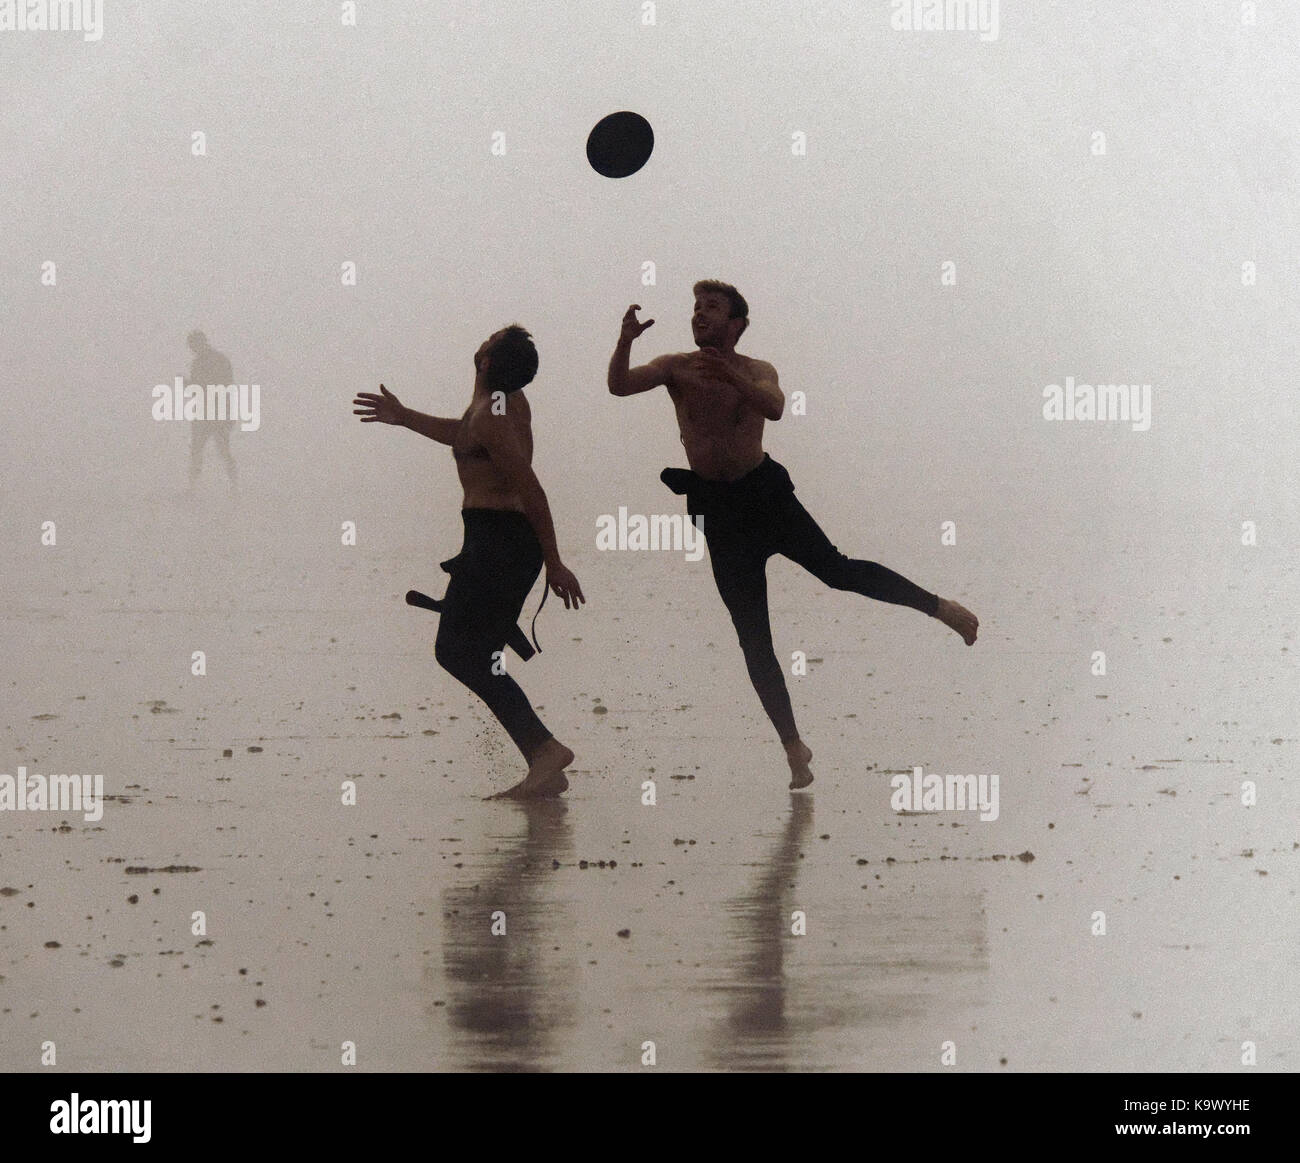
x=746 y=498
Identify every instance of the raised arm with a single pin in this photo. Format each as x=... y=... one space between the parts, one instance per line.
x=625 y=381
x=388 y=409
x=438 y=428
x=506 y=451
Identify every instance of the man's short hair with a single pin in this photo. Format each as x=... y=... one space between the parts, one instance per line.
x=738 y=308
x=514 y=359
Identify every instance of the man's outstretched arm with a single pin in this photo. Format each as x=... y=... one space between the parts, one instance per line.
x=388 y=409
x=625 y=381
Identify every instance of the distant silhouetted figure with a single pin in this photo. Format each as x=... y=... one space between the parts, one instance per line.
x=210 y=367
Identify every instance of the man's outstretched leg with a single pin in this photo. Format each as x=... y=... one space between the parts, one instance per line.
x=803 y=542
x=741 y=575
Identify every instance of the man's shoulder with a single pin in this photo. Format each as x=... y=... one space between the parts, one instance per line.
x=483 y=422
x=670 y=363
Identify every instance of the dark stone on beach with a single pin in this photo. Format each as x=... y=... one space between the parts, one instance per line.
x=227 y=753
x=254 y=750
x=133 y=899
x=140 y=870
x=625 y=932
x=53 y=945
x=1025 y=857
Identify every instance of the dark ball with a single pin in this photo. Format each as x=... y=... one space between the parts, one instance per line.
x=620 y=144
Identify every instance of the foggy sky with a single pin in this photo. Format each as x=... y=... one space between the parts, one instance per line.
x=329 y=144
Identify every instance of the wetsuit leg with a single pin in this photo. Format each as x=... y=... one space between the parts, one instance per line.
x=798 y=537
x=481 y=607
x=740 y=570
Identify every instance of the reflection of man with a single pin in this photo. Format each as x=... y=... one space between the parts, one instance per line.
x=512 y=999
x=209 y=367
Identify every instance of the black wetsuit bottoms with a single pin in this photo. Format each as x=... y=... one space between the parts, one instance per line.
x=746 y=522
x=490 y=580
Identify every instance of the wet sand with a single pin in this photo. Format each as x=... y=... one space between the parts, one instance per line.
x=625 y=923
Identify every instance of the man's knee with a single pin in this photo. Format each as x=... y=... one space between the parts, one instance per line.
x=834 y=569
x=756 y=644
x=453 y=653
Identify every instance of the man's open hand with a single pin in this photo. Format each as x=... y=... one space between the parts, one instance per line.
x=560 y=578
x=632 y=327
x=711 y=362
x=386 y=408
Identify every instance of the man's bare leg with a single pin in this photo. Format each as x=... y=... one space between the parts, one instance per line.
x=798 y=754
x=957 y=617
x=196 y=466
x=545 y=773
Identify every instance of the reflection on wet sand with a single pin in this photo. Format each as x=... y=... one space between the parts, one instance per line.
x=512 y=995
x=870 y=969
x=592 y=965
x=756 y=1031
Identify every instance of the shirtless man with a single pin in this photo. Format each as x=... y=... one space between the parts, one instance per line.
x=747 y=501
x=509 y=536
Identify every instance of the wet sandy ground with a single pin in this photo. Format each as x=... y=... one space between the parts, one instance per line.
x=624 y=923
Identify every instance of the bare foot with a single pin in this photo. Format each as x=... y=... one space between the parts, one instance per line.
x=545 y=776
x=957 y=617
x=799 y=755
